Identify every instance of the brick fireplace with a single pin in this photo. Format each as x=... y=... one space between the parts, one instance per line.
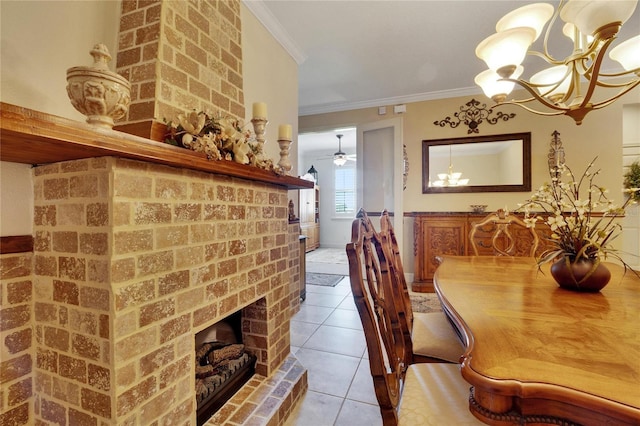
x=138 y=245
x=130 y=259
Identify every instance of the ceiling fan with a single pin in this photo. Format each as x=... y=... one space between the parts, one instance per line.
x=340 y=158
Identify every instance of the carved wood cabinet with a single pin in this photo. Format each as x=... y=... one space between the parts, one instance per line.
x=446 y=233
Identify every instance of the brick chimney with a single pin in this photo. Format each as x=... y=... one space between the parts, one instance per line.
x=179 y=56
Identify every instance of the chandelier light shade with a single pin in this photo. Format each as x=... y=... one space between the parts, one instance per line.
x=531 y=16
x=494 y=86
x=450 y=178
x=339 y=158
x=553 y=82
x=568 y=85
x=505 y=50
x=628 y=54
x=595 y=17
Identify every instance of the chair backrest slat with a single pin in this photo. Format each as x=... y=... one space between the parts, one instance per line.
x=507 y=235
x=389 y=249
x=373 y=295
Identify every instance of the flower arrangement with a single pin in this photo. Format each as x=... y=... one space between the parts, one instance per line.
x=632 y=181
x=220 y=138
x=576 y=233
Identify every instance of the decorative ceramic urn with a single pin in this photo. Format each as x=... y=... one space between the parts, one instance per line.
x=100 y=94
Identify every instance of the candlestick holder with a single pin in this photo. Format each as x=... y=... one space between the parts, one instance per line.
x=284 y=162
x=259 y=126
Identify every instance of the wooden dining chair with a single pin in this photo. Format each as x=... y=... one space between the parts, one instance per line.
x=429 y=335
x=408 y=394
x=503 y=234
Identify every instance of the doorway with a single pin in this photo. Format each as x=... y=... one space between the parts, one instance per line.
x=317 y=149
x=380 y=171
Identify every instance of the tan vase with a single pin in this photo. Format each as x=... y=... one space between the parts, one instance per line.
x=589 y=276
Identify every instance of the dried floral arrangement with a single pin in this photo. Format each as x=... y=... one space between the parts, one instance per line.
x=576 y=233
x=220 y=138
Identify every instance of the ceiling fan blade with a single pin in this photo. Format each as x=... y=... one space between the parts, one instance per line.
x=338 y=154
x=324 y=156
x=331 y=157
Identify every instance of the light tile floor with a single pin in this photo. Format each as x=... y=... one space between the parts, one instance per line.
x=327 y=338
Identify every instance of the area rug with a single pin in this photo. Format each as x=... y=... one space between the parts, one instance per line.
x=328 y=255
x=327 y=280
x=425 y=302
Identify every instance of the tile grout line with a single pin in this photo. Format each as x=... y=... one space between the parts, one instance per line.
x=362 y=362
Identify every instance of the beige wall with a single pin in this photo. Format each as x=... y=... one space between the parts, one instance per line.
x=37 y=49
x=16 y=202
x=271 y=76
x=600 y=135
x=36 y=52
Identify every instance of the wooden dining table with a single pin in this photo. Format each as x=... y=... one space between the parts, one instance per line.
x=539 y=354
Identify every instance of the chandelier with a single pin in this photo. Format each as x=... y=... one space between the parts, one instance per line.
x=450 y=178
x=592 y=25
x=339 y=158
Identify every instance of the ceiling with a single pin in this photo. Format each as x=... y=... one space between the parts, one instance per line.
x=361 y=53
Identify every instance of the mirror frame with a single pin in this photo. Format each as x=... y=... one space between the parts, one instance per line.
x=526 y=164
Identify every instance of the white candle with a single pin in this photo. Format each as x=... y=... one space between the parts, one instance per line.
x=259 y=110
x=284 y=132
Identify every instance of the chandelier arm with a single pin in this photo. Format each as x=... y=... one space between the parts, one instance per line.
x=574 y=84
x=529 y=88
x=546 y=57
x=546 y=87
x=622 y=74
x=558 y=111
x=593 y=72
x=597 y=44
x=616 y=97
x=586 y=71
x=631 y=83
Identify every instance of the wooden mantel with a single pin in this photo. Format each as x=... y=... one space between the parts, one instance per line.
x=34 y=137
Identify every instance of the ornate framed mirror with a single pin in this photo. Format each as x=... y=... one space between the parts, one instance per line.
x=497 y=163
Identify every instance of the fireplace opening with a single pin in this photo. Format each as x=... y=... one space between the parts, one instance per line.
x=222 y=365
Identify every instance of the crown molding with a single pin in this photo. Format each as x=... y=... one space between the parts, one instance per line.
x=395 y=100
x=266 y=18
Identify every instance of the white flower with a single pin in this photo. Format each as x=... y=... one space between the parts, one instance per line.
x=555 y=222
x=229 y=130
x=193 y=123
x=581 y=207
x=240 y=151
x=187 y=138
